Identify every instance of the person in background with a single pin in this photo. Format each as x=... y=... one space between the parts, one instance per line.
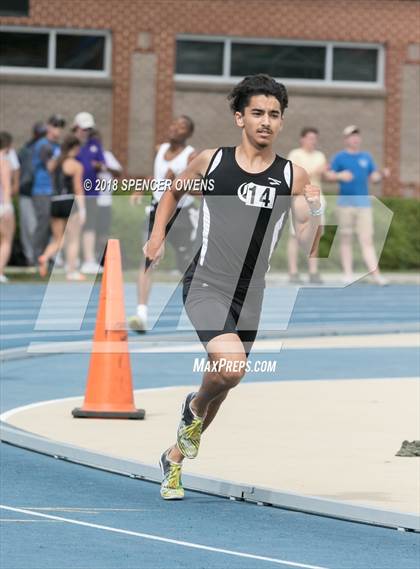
x=171 y=159
x=354 y=169
x=7 y=216
x=44 y=160
x=67 y=210
x=27 y=217
x=315 y=163
x=14 y=167
x=92 y=158
x=112 y=170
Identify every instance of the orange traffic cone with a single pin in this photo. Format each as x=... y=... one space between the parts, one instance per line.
x=109 y=391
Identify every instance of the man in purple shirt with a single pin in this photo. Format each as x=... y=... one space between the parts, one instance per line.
x=92 y=158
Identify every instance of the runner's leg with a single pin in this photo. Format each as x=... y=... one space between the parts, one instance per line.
x=226 y=352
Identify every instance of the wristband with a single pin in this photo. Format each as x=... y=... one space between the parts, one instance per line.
x=317 y=212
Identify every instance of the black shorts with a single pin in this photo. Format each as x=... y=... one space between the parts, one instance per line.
x=181 y=233
x=63 y=208
x=214 y=311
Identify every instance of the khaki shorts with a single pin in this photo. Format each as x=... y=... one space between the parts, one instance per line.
x=355 y=219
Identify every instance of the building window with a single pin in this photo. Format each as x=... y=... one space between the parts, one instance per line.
x=80 y=52
x=293 y=61
x=24 y=49
x=14 y=8
x=355 y=64
x=199 y=57
x=221 y=59
x=60 y=52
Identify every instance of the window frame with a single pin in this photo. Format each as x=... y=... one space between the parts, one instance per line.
x=328 y=81
x=51 y=70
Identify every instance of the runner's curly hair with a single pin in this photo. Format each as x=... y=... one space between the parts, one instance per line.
x=260 y=84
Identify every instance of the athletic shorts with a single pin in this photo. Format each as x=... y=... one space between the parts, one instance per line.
x=355 y=219
x=214 y=311
x=181 y=235
x=62 y=208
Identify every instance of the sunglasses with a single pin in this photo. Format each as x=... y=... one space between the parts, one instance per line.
x=59 y=123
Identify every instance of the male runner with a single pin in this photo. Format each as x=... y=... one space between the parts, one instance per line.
x=241 y=220
x=171 y=159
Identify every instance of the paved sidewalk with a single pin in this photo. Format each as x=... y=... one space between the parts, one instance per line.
x=334 y=439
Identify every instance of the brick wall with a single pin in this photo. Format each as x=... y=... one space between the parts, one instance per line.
x=25 y=100
x=391 y=22
x=215 y=125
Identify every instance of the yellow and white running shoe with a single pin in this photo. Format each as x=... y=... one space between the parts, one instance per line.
x=171 y=487
x=189 y=430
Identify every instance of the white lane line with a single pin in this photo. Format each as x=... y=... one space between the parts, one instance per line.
x=60 y=333
x=5 y=416
x=46 y=322
x=9 y=520
x=400 y=340
x=90 y=510
x=166 y=539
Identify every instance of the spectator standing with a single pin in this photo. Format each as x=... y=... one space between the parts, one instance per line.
x=112 y=170
x=44 y=159
x=67 y=209
x=27 y=217
x=7 y=216
x=92 y=158
x=354 y=169
x=315 y=163
x=14 y=167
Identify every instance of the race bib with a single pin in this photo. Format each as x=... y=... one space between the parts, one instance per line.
x=256 y=195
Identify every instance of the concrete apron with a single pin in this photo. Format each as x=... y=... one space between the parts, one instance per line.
x=335 y=440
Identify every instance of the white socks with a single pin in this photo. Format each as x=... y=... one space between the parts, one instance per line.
x=142 y=311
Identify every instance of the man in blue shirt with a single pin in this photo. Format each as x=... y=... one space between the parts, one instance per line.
x=91 y=156
x=44 y=158
x=354 y=169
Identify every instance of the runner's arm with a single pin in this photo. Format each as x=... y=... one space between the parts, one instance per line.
x=306 y=199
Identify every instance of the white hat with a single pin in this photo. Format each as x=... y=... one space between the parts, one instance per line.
x=351 y=129
x=84 y=120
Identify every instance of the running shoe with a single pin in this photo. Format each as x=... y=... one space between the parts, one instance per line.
x=138 y=324
x=75 y=276
x=294 y=278
x=315 y=278
x=171 y=487
x=189 y=430
x=380 y=280
x=91 y=268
